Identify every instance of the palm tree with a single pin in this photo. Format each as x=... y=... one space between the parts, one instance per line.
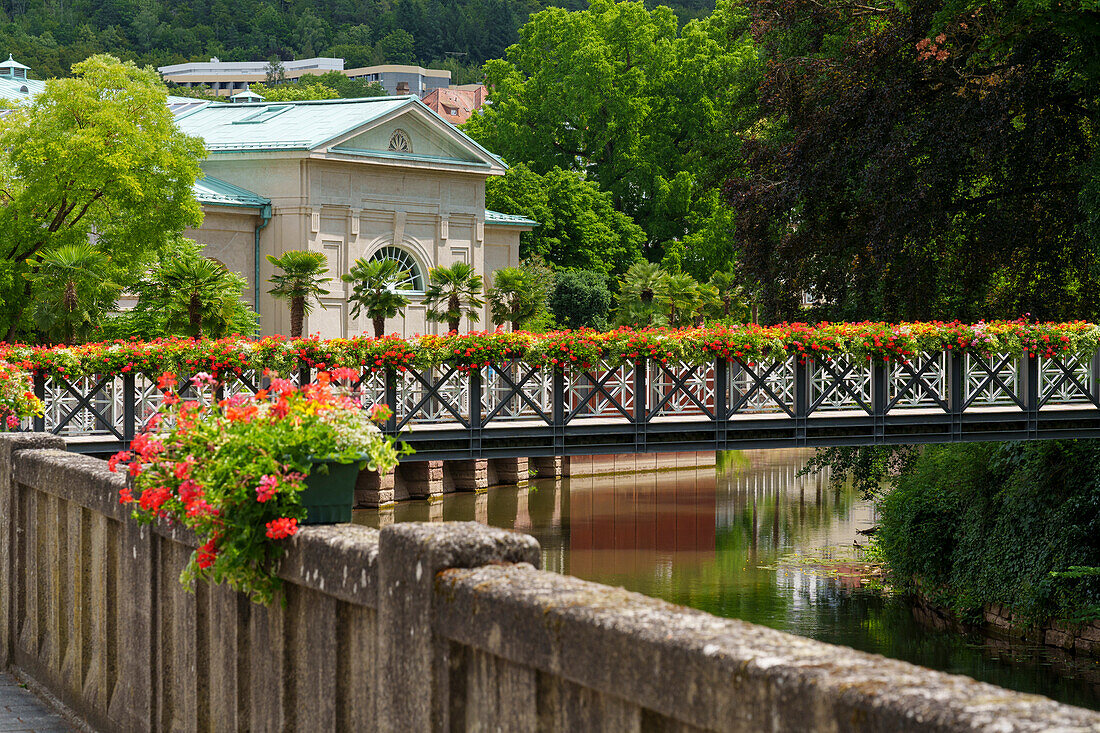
x=196 y=294
x=72 y=290
x=638 y=295
x=375 y=289
x=680 y=297
x=455 y=292
x=300 y=283
x=517 y=294
x=730 y=296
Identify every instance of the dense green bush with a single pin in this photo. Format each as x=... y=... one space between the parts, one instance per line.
x=580 y=299
x=990 y=523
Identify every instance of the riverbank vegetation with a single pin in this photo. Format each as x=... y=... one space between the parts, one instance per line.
x=998 y=523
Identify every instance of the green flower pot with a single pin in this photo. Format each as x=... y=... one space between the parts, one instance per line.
x=330 y=491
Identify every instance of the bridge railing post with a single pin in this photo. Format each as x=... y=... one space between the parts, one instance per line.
x=956 y=396
x=475 y=412
x=801 y=391
x=721 y=401
x=1029 y=368
x=880 y=394
x=129 y=408
x=40 y=393
x=641 y=403
x=390 y=398
x=1094 y=379
x=558 y=397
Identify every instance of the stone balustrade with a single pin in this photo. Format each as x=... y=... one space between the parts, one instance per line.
x=416 y=627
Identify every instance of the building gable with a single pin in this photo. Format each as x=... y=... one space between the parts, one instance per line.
x=417 y=134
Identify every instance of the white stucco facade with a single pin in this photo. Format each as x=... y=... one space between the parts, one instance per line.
x=350 y=197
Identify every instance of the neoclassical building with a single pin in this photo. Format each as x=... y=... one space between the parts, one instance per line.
x=375 y=178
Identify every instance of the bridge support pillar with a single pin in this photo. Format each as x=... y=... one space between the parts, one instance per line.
x=375 y=489
x=470 y=475
x=550 y=466
x=508 y=471
x=419 y=479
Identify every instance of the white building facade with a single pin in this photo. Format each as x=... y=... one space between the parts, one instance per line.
x=371 y=178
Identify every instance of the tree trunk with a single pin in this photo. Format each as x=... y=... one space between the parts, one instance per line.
x=297 y=313
x=379 y=326
x=515 y=326
x=454 y=305
x=194 y=314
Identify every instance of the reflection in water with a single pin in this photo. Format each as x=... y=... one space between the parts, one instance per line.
x=722 y=541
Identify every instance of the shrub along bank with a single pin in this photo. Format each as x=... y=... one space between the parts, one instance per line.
x=998 y=524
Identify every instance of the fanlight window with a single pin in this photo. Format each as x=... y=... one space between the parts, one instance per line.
x=405 y=261
x=400 y=142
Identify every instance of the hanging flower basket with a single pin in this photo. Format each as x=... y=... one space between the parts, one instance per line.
x=245 y=472
x=329 y=492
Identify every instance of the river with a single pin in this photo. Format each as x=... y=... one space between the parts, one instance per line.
x=748 y=540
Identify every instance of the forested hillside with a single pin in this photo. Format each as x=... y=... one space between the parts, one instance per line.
x=51 y=35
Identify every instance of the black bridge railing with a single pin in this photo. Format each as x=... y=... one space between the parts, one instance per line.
x=516 y=409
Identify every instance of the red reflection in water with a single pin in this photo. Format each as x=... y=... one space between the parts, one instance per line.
x=624 y=524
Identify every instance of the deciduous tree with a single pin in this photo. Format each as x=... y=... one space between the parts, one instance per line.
x=623 y=95
x=99 y=153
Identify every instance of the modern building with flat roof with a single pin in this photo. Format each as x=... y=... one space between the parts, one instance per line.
x=226 y=78
x=400 y=79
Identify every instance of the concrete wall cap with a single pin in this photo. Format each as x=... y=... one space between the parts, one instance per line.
x=32 y=441
x=600 y=637
x=463 y=544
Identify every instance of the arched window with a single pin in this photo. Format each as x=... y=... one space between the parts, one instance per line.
x=405 y=261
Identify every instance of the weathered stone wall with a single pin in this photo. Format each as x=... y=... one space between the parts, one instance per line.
x=416 y=627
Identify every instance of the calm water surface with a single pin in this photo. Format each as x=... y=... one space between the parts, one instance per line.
x=745 y=541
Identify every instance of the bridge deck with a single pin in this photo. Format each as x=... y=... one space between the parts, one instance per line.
x=588 y=435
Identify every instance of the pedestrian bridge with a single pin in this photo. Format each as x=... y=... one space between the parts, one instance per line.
x=517 y=409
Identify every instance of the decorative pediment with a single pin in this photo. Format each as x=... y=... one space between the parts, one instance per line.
x=417 y=134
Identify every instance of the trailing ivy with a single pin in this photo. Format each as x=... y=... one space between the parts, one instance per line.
x=1015 y=523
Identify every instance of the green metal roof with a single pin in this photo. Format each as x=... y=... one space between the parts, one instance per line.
x=266 y=126
x=215 y=191
x=13 y=88
x=514 y=220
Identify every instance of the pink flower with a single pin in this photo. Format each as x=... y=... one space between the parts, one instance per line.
x=267 y=488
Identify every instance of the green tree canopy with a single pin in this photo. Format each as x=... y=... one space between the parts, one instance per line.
x=621 y=94
x=924 y=160
x=99 y=153
x=580 y=299
x=578 y=226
